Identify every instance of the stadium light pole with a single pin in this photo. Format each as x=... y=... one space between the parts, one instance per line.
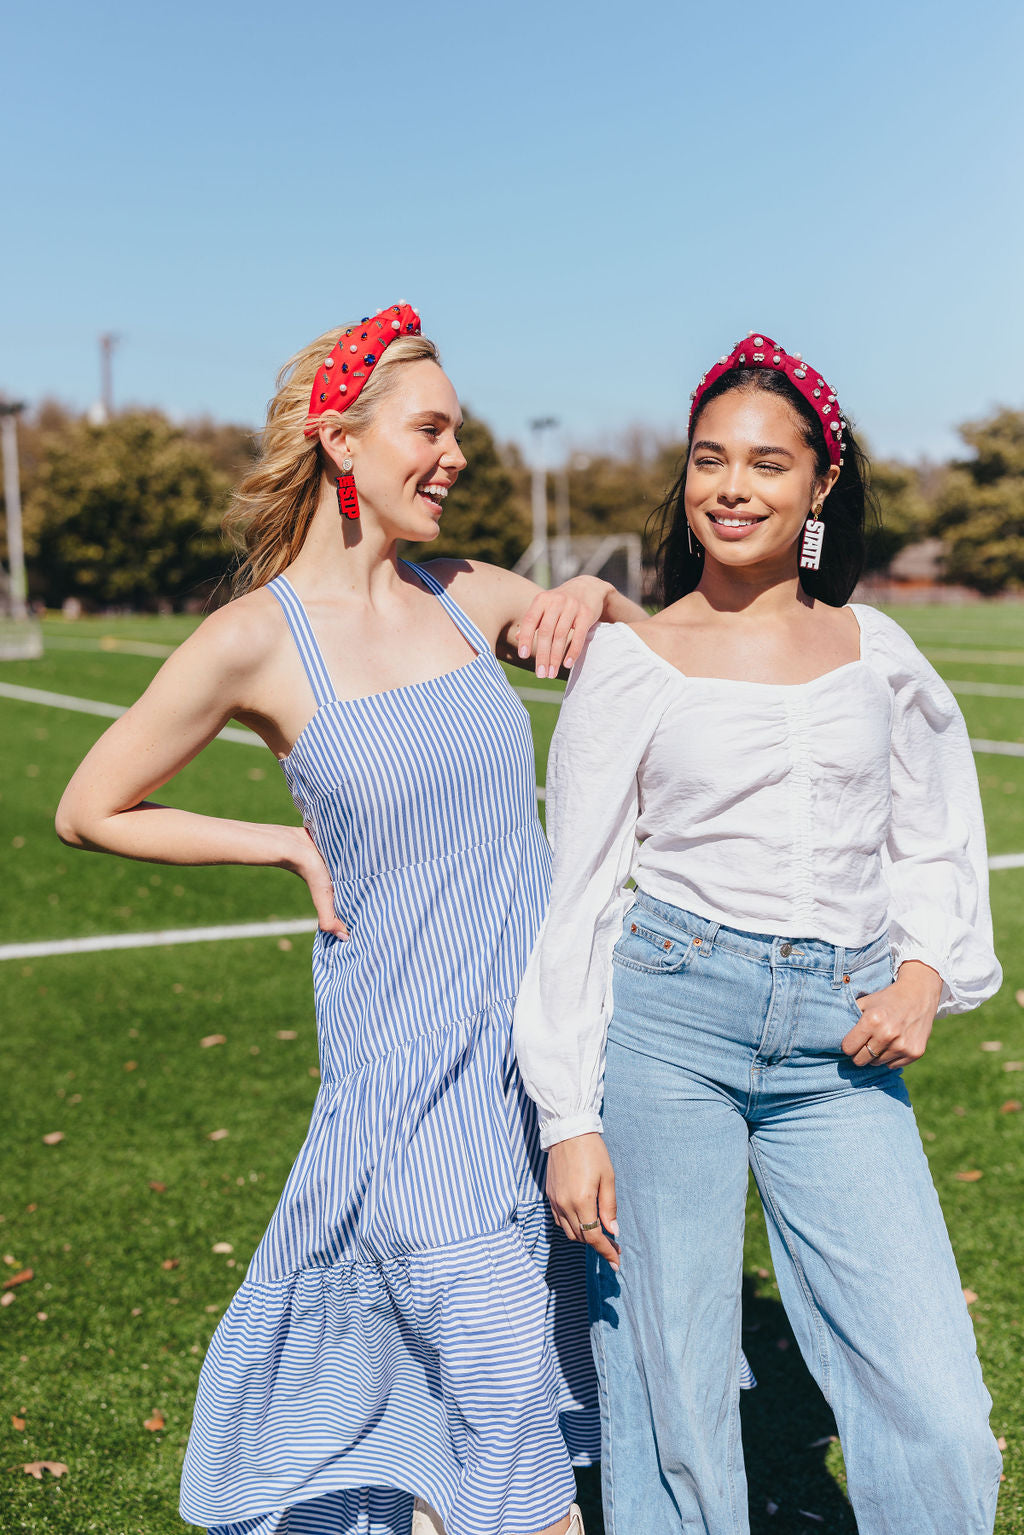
x=108 y=341
x=10 y=410
x=539 y=500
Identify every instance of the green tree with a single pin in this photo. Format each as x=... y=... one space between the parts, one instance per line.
x=904 y=513
x=485 y=515
x=126 y=513
x=980 y=509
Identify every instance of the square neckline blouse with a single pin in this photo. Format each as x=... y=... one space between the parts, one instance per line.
x=744 y=682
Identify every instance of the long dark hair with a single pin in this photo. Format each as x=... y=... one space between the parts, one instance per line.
x=849 y=503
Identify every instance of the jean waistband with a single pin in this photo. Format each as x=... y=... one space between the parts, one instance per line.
x=767 y=948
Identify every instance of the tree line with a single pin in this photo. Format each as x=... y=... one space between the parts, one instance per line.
x=127 y=514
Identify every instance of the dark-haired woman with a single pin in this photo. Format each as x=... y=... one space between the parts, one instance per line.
x=791 y=786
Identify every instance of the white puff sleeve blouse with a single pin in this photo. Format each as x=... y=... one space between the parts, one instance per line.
x=831 y=809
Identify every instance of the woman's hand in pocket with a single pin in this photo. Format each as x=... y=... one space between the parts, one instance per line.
x=581 y=1189
x=896 y=1023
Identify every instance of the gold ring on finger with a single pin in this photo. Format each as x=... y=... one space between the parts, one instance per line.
x=872 y=1054
x=589 y=1225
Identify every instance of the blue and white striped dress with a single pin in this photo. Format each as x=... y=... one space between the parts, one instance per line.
x=413 y=1322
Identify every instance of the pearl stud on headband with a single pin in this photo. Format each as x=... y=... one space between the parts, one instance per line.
x=757 y=351
x=344 y=372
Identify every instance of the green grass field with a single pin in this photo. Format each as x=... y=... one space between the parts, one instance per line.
x=119 y=1220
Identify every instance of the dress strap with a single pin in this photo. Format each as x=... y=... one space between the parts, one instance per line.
x=310 y=653
x=464 y=624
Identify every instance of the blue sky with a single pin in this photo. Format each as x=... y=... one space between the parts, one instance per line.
x=588 y=202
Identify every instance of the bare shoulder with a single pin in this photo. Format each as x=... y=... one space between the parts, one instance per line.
x=237 y=639
x=493 y=597
x=668 y=631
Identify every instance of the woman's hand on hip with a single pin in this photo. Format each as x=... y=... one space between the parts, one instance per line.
x=896 y=1023
x=581 y=1189
x=304 y=859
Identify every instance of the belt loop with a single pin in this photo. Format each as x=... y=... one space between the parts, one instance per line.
x=840 y=966
x=709 y=935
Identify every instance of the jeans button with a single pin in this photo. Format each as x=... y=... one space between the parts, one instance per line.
x=786 y=950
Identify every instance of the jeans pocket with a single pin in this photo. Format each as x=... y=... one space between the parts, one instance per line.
x=653 y=950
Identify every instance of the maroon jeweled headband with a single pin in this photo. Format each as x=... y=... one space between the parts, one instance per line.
x=762 y=352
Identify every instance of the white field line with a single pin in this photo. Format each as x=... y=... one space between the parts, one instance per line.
x=105 y=710
x=109 y=644
x=102 y=942
x=1006 y=861
x=977 y=657
x=986 y=689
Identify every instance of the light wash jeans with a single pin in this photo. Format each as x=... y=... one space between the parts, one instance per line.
x=724 y=1049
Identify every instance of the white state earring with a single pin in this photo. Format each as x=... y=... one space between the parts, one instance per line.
x=812 y=539
x=697 y=549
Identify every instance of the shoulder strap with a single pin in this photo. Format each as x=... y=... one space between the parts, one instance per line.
x=462 y=622
x=310 y=653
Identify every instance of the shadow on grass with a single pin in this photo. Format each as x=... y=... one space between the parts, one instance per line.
x=788 y=1432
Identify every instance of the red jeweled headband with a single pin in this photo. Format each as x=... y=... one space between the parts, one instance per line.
x=762 y=352
x=345 y=370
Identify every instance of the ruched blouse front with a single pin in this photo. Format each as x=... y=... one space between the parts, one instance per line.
x=833 y=809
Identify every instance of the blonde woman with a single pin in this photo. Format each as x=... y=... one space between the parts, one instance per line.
x=394 y=1335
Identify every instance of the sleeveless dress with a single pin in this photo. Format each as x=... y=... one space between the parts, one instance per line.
x=413 y=1321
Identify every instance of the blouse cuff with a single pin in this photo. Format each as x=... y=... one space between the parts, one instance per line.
x=939 y=963
x=554 y=1130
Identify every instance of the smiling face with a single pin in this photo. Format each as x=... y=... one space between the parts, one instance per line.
x=751 y=480
x=408 y=458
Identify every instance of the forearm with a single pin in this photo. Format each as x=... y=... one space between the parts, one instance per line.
x=620 y=610
x=159 y=834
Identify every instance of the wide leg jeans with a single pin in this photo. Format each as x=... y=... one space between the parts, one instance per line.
x=724 y=1051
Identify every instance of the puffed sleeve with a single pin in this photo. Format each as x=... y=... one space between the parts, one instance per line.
x=608 y=716
x=936 y=860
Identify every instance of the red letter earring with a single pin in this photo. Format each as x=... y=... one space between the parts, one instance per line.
x=348 y=500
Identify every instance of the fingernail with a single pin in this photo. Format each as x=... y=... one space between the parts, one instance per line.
x=523 y=652
x=567 y=663
x=614 y=1267
x=613 y=1227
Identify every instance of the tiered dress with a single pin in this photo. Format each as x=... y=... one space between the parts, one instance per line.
x=413 y=1322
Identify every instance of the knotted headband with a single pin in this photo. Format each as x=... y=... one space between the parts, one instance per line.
x=762 y=352
x=350 y=362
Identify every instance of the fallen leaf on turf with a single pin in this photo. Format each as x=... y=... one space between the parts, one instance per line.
x=18 y=1423
x=971 y=1176
x=223 y=1247
x=819 y=1444
x=136 y=1311
x=314 y=1071
x=959 y=1110
x=53 y=1137
x=764 y=1274
x=130 y=1066
x=7 y=1299
x=212 y=1039
x=1020 y=997
x=170 y=1263
x=1011 y=1106
x=10 y=1260
x=41 y=1316
x=1013 y=1065
x=37 y=1467
x=22 y=1277
x=157 y=1421
x=158 y=1188
x=217 y=1135
x=287 y=1034
x=212 y=1309
x=284 y=944
x=991 y=1044
x=970 y=1297
x=1001 y=1442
